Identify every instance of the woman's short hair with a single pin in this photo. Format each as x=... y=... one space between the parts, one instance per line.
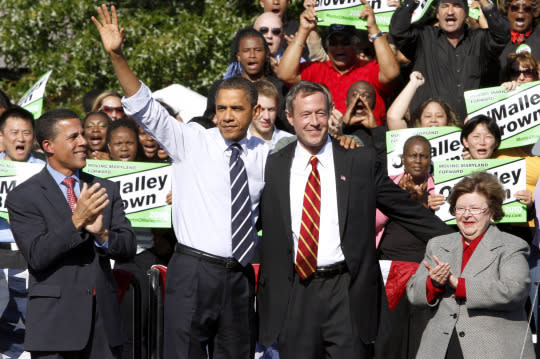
x=416 y=139
x=99 y=100
x=451 y=117
x=485 y=184
x=98 y=113
x=123 y=123
x=526 y=59
x=490 y=123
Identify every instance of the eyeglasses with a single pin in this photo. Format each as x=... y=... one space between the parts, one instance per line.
x=473 y=211
x=275 y=30
x=110 y=109
x=516 y=7
x=339 y=42
x=525 y=72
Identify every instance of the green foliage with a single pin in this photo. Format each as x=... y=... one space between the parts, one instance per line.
x=174 y=41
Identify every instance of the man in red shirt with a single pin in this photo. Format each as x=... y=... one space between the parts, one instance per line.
x=344 y=67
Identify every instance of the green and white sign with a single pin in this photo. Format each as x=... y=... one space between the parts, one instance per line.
x=346 y=12
x=143 y=187
x=32 y=100
x=445 y=145
x=517 y=112
x=12 y=174
x=511 y=173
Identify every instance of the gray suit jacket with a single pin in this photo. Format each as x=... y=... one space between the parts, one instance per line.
x=491 y=322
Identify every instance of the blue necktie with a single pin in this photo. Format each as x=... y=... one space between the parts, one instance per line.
x=243 y=235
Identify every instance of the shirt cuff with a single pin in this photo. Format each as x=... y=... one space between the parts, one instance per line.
x=105 y=244
x=138 y=101
x=461 y=292
x=432 y=292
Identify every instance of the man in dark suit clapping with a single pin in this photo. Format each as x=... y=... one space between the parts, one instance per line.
x=69 y=225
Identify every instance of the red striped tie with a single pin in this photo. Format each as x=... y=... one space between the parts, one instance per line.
x=71 y=197
x=308 y=243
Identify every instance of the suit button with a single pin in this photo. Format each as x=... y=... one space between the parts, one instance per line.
x=462 y=334
x=454 y=315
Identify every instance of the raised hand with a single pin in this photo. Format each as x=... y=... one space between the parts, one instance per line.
x=368 y=14
x=112 y=36
x=416 y=78
x=308 y=20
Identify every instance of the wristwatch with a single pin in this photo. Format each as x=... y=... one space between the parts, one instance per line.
x=372 y=38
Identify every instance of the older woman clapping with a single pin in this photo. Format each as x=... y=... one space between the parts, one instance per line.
x=476 y=281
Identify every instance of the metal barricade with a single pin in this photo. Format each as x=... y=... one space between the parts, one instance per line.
x=156 y=294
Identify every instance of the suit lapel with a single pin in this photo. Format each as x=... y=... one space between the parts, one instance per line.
x=342 y=165
x=453 y=253
x=54 y=194
x=484 y=254
x=283 y=184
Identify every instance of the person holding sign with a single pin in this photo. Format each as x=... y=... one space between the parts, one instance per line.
x=476 y=281
x=209 y=298
x=344 y=68
x=481 y=137
x=433 y=112
x=69 y=225
x=17 y=134
x=451 y=57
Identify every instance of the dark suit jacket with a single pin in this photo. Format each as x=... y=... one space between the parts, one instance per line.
x=65 y=266
x=362 y=186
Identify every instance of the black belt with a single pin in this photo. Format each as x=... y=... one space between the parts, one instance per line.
x=331 y=270
x=229 y=263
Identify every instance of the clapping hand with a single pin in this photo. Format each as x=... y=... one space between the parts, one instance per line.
x=439 y=274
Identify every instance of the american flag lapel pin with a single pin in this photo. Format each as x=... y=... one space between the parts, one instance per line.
x=343 y=178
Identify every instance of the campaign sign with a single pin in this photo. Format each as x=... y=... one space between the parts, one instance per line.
x=445 y=145
x=346 y=12
x=517 y=112
x=32 y=100
x=13 y=173
x=143 y=187
x=510 y=172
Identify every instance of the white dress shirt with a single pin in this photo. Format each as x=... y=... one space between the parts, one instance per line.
x=329 y=251
x=201 y=190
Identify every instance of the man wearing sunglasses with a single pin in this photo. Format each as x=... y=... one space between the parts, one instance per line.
x=270 y=26
x=452 y=57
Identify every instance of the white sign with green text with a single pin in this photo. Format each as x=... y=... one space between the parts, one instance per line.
x=445 y=145
x=143 y=187
x=517 y=112
x=511 y=173
x=12 y=174
x=32 y=100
